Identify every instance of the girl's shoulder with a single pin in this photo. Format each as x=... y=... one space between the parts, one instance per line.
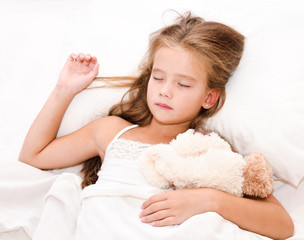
x=112 y=121
x=109 y=126
x=106 y=128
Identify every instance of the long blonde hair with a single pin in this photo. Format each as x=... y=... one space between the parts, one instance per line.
x=220 y=48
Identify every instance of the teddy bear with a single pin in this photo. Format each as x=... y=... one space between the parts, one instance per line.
x=195 y=160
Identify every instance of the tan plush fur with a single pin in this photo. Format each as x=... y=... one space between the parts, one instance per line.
x=196 y=160
x=257 y=176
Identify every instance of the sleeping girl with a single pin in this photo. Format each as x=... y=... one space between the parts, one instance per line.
x=181 y=83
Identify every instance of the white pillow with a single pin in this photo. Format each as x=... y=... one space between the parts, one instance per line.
x=89 y=105
x=264 y=109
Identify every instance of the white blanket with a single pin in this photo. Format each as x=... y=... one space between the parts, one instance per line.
x=36 y=204
x=116 y=208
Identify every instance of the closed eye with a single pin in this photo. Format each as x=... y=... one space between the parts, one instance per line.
x=183 y=85
x=156 y=78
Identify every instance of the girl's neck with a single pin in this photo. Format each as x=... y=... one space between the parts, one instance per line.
x=164 y=133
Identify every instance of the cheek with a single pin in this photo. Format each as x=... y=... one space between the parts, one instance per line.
x=201 y=95
x=194 y=98
x=150 y=91
x=188 y=104
x=148 y=88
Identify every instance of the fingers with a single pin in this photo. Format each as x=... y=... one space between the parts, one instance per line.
x=159 y=218
x=95 y=69
x=93 y=60
x=87 y=59
x=167 y=208
x=154 y=199
x=165 y=222
x=73 y=57
x=158 y=206
x=155 y=209
x=81 y=57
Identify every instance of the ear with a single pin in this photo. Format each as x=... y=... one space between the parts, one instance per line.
x=211 y=98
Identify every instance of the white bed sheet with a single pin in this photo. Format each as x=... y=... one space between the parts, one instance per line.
x=38 y=204
x=36 y=38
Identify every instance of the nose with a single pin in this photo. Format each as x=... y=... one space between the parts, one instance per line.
x=165 y=90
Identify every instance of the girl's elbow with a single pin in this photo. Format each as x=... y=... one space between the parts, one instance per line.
x=22 y=158
x=289 y=229
x=25 y=158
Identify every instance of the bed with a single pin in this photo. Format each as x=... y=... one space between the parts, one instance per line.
x=264 y=110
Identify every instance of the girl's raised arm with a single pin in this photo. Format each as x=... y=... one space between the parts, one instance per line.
x=41 y=148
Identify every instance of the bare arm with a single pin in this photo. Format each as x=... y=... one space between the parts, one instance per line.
x=41 y=148
x=265 y=216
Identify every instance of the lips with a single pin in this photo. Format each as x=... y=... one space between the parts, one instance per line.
x=163 y=106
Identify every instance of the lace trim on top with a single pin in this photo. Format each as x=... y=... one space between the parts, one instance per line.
x=127 y=149
x=120 y=164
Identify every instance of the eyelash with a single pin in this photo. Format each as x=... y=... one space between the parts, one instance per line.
x=182 y=85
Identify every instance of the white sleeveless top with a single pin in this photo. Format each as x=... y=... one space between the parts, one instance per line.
x=120 y=161
x=110 y=208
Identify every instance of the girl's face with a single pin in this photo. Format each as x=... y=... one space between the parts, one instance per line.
x=177 y=86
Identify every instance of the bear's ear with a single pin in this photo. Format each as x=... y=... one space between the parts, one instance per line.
x=257 y=175
x=211 y=98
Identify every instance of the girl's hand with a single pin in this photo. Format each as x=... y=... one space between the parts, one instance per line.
x=263 y=216
x=78 y=73
x=175 y=207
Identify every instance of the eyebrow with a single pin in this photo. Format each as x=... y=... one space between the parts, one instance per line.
x=178 y=75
